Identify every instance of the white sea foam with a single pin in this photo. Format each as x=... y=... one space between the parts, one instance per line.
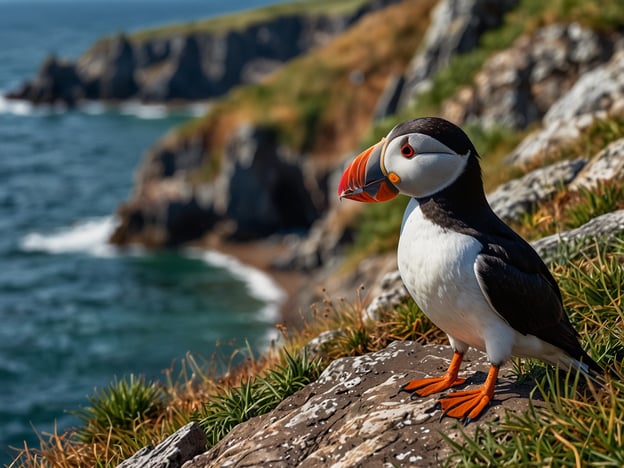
x=144 y=111
x=90 y=236
x=131 y=108
x=259 y=284
x=25 y=108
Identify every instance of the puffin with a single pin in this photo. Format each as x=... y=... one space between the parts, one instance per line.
x=470 y=273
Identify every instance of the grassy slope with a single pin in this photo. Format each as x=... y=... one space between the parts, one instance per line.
x=572 y=429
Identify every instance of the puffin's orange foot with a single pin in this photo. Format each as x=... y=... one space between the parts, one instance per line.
x=466 y=405
x=424 y=387
x=469 y=404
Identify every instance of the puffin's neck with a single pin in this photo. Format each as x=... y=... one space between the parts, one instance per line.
x=459 y=202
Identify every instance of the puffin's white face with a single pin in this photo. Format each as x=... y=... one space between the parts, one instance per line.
x=419 y=165
x=409 y=161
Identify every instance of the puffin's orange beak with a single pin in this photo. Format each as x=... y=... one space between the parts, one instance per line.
x=364 y=180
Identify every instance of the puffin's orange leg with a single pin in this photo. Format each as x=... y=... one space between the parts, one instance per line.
x=469 y=404
x=424 y=387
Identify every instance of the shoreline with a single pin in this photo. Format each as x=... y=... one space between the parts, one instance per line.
x=260 y=254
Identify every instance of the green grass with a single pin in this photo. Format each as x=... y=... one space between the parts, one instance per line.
x=130 y=414
x=567 y=428
x=122 y=406
x=605 y=198
x=256 y=396
x=577 y=424
x=570 y=428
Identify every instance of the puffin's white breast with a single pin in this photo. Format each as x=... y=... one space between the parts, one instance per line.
x=437 y=267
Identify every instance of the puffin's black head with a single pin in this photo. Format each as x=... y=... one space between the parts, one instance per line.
x=418 y=158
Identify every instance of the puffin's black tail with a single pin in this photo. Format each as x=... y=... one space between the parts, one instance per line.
x=590 y=368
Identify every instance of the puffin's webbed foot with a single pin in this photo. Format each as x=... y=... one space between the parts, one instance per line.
x=467 y=405
x=430 y=385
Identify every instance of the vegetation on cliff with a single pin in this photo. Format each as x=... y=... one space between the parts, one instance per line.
x=320 y=104
x=313 y=101
x=133 y=413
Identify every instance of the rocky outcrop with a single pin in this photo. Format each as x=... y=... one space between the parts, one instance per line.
x=597 y=94
x=607 y=165
x=519 y=85
x=355 y=415
x=56 y=80
x=456 y=27
x=600 y=229
x=259 y=190
x=181 y=446
x=518 y=196
x=174 y=66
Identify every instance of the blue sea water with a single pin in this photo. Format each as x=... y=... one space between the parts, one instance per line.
x=74 y=312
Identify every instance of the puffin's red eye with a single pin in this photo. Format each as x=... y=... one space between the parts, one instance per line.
x=407 y=151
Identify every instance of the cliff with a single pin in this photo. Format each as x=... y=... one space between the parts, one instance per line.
x=539 y=89
x=197 y=62
x=560 y=79
x=283 y=138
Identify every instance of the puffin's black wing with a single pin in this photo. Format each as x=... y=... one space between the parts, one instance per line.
x=520 y=288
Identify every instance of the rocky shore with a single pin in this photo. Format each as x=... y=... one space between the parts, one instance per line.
x=234 y=182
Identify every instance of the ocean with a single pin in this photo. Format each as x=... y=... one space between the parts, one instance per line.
x=75 y=312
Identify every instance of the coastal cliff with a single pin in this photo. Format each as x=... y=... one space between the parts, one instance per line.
x=540 y=91
x=199 y=61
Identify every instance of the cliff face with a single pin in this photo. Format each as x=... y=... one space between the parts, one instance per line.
x=259 y=161
x=268 y=160
x=184 y=66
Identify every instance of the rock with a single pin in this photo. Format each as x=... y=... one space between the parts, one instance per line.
x=259 y=188
x=607 y=165
x=317 y=347
x=166 y=214
x=117 y=82
x=538 y=145
x=456 y=27
x=182 y=78
x=176 y=449
x=319 y=247
x=602 y=228
x=171 y=158
x=518 y=86
x=597 y=94
x=514 y=198
x=597 y=90
x=388 y=103
x=56 y=82
x=354 y=415
x=173 y=66
x=393 y=293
